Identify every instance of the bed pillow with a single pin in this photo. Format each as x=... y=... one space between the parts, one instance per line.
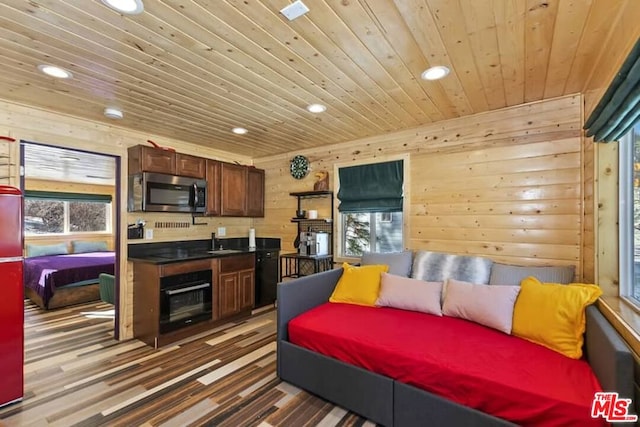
x=399 y=262
x=437 y=267
x=43 y=250
x=410 y=294
x=490 y=306
x=505 y=274
x=358 y=285
x=80 y=246
x=553 y=315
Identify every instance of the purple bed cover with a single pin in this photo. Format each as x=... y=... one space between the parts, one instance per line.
x=45 y=274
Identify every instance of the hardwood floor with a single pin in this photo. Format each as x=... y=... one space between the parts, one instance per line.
x=76 y=374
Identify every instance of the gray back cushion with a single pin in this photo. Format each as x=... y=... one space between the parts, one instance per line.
x=399 y=262
x=505 y=274
x=437 y=267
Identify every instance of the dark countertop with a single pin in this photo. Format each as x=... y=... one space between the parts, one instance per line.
x=167 y=257
x=193 y=250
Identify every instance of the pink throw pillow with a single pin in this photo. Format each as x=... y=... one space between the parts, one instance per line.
x=490 y=306
x=410 y=294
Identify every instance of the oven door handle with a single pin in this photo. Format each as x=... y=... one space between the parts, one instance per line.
x=187 y=289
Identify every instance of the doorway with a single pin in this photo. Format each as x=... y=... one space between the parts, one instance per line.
x=71 y=223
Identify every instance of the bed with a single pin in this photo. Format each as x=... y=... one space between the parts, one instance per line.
x=55 y=281
x=392 y=402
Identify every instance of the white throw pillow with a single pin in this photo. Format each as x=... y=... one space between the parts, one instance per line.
x=410 y=294
x=490 y=306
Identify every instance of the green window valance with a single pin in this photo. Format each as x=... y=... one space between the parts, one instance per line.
x=619 y=108
x=375 y=187
x=67 y=197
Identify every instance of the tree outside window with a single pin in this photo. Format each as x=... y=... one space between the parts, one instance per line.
x=371 y=232
x=47 y=216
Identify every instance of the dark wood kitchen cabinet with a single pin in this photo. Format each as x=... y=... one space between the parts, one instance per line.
x=213 y=187
x=191 y=166
x=255 y=192
x=147 y=299
x=150 y=159
x=233 y=183
x=241 y=190
x=236 y=285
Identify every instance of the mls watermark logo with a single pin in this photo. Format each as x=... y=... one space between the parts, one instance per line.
x=612 y=408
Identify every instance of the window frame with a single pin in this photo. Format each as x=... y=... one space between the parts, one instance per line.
x=66 y=227
x=338 y=240
x=626 y=231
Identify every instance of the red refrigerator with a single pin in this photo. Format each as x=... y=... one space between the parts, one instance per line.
x=11 y=296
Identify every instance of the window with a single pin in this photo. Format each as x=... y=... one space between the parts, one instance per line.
x=371 y=204
x=64 y=213
x=630 y=214
x=371 y=232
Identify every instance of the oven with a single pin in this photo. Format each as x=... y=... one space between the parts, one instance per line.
x=185 y=299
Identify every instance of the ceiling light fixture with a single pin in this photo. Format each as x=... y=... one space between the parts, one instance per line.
x=316 y=108
x=239 y=131
x=128 y=7
x=53 y=71
x=294 y=10
x=435 y=73
x=113 y=113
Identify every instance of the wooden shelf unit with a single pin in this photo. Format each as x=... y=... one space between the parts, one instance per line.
x=296 y=265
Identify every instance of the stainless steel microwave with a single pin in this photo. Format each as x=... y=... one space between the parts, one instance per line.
x=157 y=192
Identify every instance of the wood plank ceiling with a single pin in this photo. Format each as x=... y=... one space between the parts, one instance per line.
x=194 y=69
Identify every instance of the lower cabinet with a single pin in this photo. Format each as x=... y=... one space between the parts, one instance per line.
x=176 y=300
x=236 y=285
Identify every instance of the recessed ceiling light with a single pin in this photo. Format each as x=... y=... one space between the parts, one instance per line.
x=129 y=7
x=239 y=131
x=113 y=113
x=435 y=73
x=53 y=71
x=70 y=158
x=316 y=108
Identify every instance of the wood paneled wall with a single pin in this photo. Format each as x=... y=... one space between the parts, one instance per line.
x=601 y=243
x=505 y=184
x=36 y=125
x=73 y=187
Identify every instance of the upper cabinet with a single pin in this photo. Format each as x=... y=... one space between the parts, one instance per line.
x=149 y=159
x=241 y=190
x=192 y=166
x=255 y=192
x=232 y=189
x=213 y=187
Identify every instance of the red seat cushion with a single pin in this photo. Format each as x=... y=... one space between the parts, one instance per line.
x=470 y=364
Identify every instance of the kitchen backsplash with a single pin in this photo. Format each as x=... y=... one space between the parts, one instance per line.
x=167 y=227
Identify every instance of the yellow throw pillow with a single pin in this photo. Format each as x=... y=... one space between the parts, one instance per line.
x=553 y=315
x=359 y=285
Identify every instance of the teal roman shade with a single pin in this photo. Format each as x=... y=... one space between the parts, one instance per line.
x=67 y=197
x=619 y=108
x=374 y=187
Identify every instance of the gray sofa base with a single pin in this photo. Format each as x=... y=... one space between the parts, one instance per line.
x=390 y=403
x=375 y=397
x=361 y=391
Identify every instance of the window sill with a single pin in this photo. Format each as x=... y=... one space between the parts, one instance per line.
x=624 y=318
